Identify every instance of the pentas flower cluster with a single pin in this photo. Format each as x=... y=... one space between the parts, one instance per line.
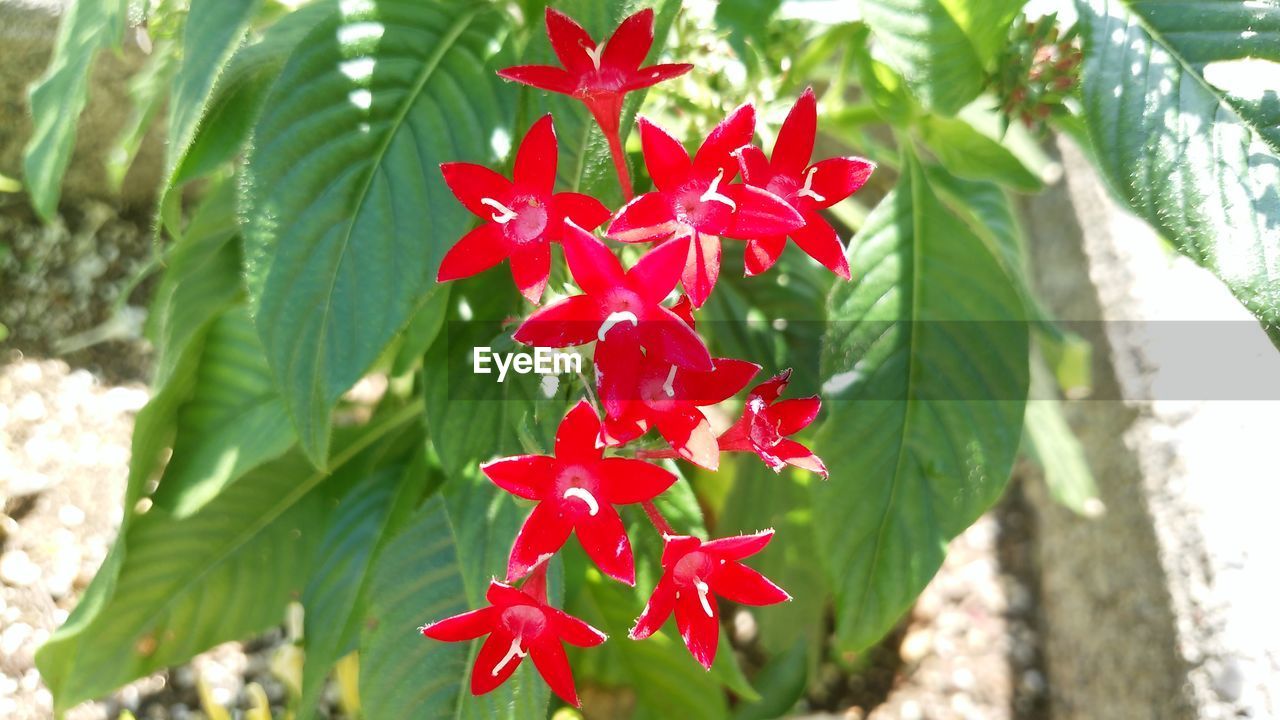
x=653 y=371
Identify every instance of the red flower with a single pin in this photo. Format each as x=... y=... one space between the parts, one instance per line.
x=667 y=397
x=599 y=76
x=764 y=425
x=808 y=188
x=694 y=198
x=576 y=490
x=524 y=216
x=692 y=571
x=518 y=623
x=618 y=311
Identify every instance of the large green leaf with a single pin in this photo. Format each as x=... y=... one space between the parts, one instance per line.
x=965 y=151
x=926 y=380
x=418 y=579
x=1190 y=158
x=347 y=214
x=943 y=48
x=59 y=97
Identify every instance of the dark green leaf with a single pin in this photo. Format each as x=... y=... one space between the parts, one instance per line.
x=347 y=214
x=781 y=683
x=926 y=380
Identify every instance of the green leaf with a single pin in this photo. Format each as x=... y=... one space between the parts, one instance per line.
x=943 y=48
x=235 y=420
x=347 y=214
x=925 y=369
x=189 y=584
x=213 y=30
x=58 y=99
x=970 y=154
x=418 y=579
x=782 y=683
x=422 y=331
x=148 y=90
x=1056 y=448
x=1188 y=157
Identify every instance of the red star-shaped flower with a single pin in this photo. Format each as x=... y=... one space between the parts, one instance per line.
x=518 y=623
x=808 y=188
x=694 y=198
x=523 y=216
x=618 y=311
x=599 y=76
x=765 y=423
x=576 y=491
x=693 y=573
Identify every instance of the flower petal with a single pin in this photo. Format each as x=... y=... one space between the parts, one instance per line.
x=654 y=74
x=760 y=213
x=535 y=166
x=585 y=211
x=618 y=359
x=467 y=626
x=793 y=416
x=553 y=665
x=664 y=156
x=770 y=389
x=655 y=274
x=754 y=165
x=630 y=43
x=795 y=454
x=572 y=321
x=718 y=385
x=676 y=547
x=622 y=430
x=605 y=539
x=656 y=611
x=503 y=596
x=702 y=268
x=624 y=480
x=763 y=252
x=530 y=267
x=717 y=151
x=739 y=583
x=486 y=674
x=543 y=77
x=738 y=547
x=572 y=630
x=820 y=241
x=647 y=218
x=542 y=534
x=837 y=178
x=794 y=146
x=570 y=42
x=577 y=438
x=664 y=333
x=700 y=631
x=472 y=183
x=690 y=435
x=594 y=267
x=477 y=251
x=526 y=476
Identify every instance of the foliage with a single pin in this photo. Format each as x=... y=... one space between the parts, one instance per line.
x=303 y=221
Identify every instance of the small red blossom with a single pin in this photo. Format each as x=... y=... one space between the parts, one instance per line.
x=576 y=491
x=666 y=397
x=694 y=198
x=693 y=573
x=765 y=423
x=523 y=215
x=808 y=188
x=619 y=311
x=518 y=623
x=599 y=76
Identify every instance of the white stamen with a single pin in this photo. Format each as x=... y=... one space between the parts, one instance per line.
x=594 y=54
x=615 y=318
x=504 y=214
x=713 y=192
x=808 y=187
x=669 y=387
x=703 y=589
x=512 y=652
x=593 y=507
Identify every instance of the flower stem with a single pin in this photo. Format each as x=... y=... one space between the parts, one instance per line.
x=667 y=454
x=620 y=164
x=655 y=516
